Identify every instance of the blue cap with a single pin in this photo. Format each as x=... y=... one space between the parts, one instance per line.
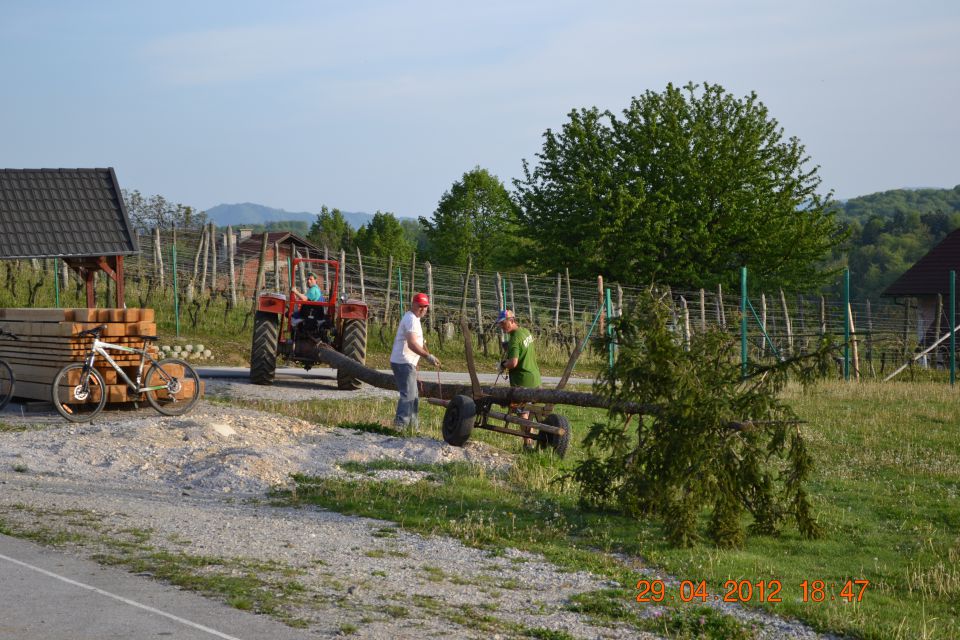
x=506 y=313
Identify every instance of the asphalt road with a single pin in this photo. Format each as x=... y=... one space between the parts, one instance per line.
x=46 y=595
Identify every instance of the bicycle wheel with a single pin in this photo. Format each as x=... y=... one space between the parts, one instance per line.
x=182 y=387
x=6 y=384
x=78 y=398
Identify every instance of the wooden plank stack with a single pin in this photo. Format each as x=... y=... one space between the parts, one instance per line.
x=48 y=342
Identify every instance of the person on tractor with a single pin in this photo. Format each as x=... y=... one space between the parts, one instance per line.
x=520 y=360
x=313 y=294
x=408 y=348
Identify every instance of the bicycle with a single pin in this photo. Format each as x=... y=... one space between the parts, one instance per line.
x=7 y=379
x=79 y=391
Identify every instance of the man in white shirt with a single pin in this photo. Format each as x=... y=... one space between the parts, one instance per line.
x=408 y=348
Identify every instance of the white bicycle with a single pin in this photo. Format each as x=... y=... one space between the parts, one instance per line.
x=80 y=392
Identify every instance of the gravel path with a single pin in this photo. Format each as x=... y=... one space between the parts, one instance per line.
x=196 y=485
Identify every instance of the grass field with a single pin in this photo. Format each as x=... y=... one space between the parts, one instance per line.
x=885 y=491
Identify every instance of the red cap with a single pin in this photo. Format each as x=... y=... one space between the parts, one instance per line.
x=422 y=300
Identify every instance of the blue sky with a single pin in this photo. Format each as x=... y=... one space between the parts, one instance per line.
x=372 y=106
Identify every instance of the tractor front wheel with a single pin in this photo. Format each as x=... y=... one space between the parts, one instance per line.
x=354 y=346
x=263 y=355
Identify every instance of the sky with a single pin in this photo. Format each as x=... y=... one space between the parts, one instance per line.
x=381 y=106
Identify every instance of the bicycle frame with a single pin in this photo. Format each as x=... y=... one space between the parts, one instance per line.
x=100 y=348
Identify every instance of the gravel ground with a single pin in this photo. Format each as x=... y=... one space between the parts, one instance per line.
x=196 y=484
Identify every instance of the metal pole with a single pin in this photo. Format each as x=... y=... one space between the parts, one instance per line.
x=846 y=323
x=743 y=322
x=953 y=327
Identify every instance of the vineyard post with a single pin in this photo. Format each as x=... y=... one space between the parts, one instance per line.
x=429 y=268
x=619 y=301
x=176 y=298
x=573 y=331
x=213 y=255
x=158 y=258
x=208 y=239
x=846 y=324
x=276 y=266
x=56 y=281
x=466 y=285
x=823 y=316
x=231 y=251
x=936 y=358
x=386 y=296
x=686 y=323
x=786 y=323
x=258 y=283
x=363 y=289
x=612 y=347
x=413 y=277
x=953 y=327
x=854 y=347
x=870 y=339
x=763 y=323
x=703 y=311
x=343 y=273
x=513 y=302
x=556 y=311
x=326 y=267
x=743 y=322
x=721 y=312
x=480 y=332
x=499 y=302
x=526 y=286
x=603 y=316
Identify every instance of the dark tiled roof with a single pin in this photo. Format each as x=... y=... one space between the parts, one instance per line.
x=63 y=213
x=255 y=241
x=931 y=274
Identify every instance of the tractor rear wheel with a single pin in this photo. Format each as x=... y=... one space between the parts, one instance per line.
x=263 y=355
x=559 y=444
x=354 y=346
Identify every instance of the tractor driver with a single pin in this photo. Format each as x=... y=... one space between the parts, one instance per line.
x=313 y=294
x=520 y=360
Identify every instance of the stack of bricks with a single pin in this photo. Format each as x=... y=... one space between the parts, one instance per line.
x=48 y=342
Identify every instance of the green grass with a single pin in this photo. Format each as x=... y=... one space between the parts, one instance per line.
x=885 y=489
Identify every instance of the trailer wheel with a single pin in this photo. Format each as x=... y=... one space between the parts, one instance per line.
x=263 y=355
x=458 y=420
x=354 y=346
x=559 y=444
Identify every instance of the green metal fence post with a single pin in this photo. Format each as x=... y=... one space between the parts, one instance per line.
x=953 y=327
x=743 y=322
x=846 y=323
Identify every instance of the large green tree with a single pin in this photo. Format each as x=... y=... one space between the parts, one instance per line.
x=331 y=230
x=384 y=236
x=684 y=187
x=476 y=217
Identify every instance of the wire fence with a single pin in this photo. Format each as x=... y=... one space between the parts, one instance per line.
x=222 y=277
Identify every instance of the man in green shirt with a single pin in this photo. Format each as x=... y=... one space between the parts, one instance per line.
x=521 y=359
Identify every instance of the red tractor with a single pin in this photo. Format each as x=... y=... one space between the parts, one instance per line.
x=285 y=326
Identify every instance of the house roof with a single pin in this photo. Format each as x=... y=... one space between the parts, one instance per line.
x=63 y=213
x=931 y=273
x=255 y=241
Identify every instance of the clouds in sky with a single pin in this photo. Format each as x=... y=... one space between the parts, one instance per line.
x=381 y=105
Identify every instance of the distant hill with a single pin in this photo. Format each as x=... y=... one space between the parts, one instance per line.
x=248 y=213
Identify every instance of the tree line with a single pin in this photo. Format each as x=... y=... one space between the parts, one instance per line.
x=682 y=187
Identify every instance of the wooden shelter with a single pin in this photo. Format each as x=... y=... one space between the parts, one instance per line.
x=76 y=215
x=928 y=281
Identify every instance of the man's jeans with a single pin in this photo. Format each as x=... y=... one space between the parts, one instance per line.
x=405 y=376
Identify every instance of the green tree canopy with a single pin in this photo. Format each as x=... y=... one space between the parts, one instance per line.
x=157 y=211
x=475 y=217
x=384 y=236
x=331 y=230
x=684 y=187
